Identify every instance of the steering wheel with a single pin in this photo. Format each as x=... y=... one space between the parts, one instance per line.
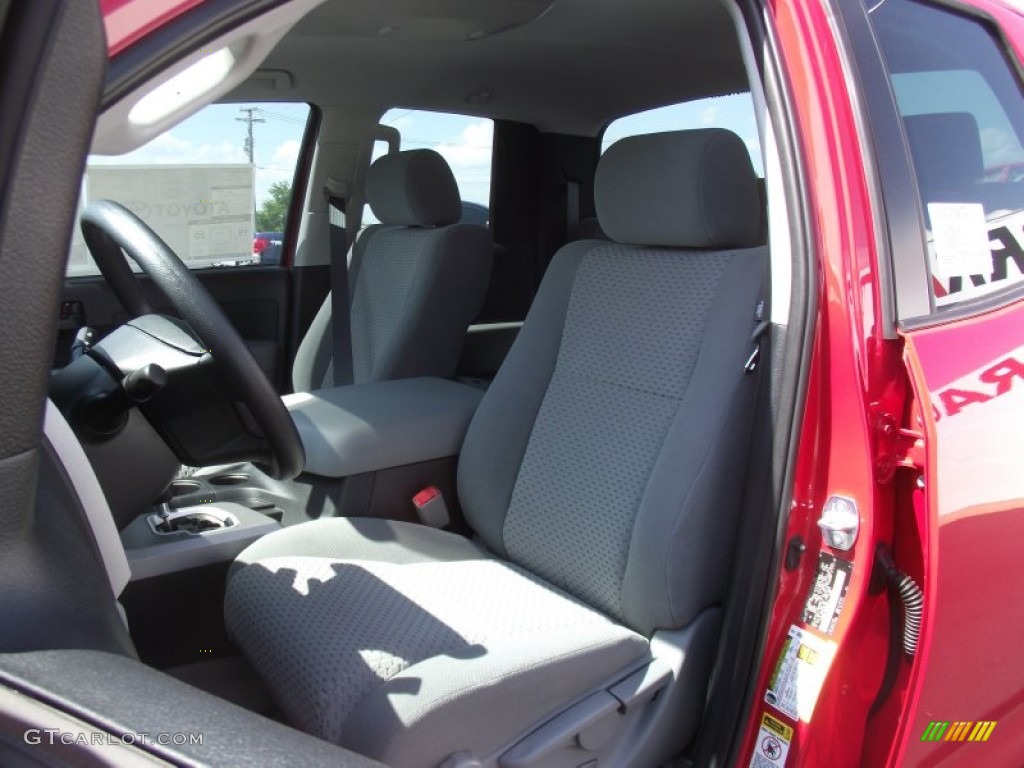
x=112 y=231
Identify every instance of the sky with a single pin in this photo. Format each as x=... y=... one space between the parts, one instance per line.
x=216 y=135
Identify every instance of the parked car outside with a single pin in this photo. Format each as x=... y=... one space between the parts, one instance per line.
x=267 y=246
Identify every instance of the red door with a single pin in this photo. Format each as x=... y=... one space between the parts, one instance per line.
x=972 y=371
x=966 y=360
x=916 y=392
x=958 y=93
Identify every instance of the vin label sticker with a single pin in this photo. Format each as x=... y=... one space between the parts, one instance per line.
x=773 y=739
x=799 y=673
x=827 y=595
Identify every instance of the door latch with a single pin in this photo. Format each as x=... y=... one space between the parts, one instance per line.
x=840 y=522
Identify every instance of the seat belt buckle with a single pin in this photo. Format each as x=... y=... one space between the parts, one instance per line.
x=755 y=356
x=751 y=365
x=431 y=507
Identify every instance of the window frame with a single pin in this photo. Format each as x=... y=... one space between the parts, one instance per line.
x=300 y=185
x=908 y=265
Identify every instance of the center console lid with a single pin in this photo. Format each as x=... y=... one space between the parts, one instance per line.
x=368 y=427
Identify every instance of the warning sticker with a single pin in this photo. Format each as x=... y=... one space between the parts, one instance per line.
x=827 y=595
x=799 y=673
x=773 y=739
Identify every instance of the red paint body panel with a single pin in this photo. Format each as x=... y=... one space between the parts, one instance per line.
x=975 y=670
x=971 y=666
x=855 y=374
x=128 y=21
x=951 y=542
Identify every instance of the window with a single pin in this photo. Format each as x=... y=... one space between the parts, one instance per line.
x=963 y=116
x=734 y=112
x=216 y=187
x=464 y=141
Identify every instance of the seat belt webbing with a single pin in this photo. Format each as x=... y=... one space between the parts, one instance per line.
x=341 y=322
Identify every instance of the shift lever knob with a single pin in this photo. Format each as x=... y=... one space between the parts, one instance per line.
x=107 y=413
x=142 y=384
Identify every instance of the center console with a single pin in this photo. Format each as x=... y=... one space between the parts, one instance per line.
x=166 y=541
x=369 y=449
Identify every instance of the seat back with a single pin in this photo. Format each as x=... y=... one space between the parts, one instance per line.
x=946 y=149
x=607 y=456
x=416 y=280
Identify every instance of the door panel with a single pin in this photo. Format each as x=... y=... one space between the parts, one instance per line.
x=973 y=371
x=255 y=298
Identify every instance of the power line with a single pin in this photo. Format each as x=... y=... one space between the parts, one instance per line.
x=282 y=117
x=395 y=118
x=249 y=148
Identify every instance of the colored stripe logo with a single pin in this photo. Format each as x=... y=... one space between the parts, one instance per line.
x=958 y=730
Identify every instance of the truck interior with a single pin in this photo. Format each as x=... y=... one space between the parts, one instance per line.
x=519 y=506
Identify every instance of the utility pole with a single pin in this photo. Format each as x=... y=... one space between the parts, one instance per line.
x=250 y=120
x=249 y=148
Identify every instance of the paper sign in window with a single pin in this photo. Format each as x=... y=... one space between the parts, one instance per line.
x=960 y=236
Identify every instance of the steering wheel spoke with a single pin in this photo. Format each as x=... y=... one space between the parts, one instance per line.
x=200 y=396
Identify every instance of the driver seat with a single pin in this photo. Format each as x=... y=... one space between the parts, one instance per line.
x=416 y=280
x=602 y=475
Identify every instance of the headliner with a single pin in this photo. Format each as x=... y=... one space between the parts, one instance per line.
x=567 y=66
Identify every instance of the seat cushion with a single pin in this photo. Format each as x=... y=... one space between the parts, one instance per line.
x=406 y=644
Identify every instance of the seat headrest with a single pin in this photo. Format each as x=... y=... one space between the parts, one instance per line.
x=946 y=148
x=687 y=189
x=414 y=188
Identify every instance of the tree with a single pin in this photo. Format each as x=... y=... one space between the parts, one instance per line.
x=270 y=217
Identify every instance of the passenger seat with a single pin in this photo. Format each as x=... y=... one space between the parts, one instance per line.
x=416 y=280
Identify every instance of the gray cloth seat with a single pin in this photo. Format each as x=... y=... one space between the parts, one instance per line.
x=602 y=474
x=413 y=610
x=416 y=280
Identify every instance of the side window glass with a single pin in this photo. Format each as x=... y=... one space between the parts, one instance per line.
x=734 y=112
x=464 y=141
x=216 y=187
x=963 y=116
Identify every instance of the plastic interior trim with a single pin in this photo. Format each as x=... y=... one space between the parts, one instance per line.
x=86 y=486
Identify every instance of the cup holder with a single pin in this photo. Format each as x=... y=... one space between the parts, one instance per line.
x=184 y=487
x=191 y=522
x=232 y=479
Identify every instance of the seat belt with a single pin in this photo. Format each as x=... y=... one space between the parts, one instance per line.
x=341 y=321
x=572 y=210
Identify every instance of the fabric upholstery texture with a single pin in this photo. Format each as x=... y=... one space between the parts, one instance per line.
x=604 y=464
x=605 y=414
x=415 y=188
x=327 y=632
x=690 y=189
x=381 y=293
x=604 y=454
x=413 y=292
